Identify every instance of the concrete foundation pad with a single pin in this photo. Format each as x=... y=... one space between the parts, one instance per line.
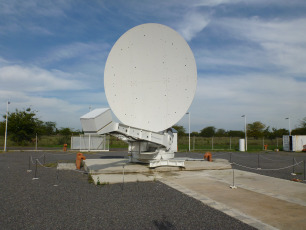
x=66 y=166
x=115 y=166
x=120 y=178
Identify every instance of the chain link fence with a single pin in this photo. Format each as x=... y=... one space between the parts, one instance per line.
x=91 y=142
x=228 y=143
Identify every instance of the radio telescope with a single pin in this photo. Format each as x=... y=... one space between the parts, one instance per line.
x=150 y=80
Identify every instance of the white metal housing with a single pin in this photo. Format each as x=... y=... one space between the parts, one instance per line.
x=294 y=143
x=93 y=121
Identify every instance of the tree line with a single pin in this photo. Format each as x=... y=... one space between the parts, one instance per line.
x=24 y=125
x=256 y=129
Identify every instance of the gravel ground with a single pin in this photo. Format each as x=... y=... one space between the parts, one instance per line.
x=274 y=164
x=77 y=204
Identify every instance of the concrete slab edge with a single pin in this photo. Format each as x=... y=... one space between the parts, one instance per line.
x=261 y=191
x=153 y=170
x=221 y=207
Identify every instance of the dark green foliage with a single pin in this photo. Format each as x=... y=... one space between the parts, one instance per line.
x=48 y=128
x=195 y=134
x=235 y=133
x=221 y=133
x=208 y=131
x=278 y=133
x=301 y=130
x=256 y=129
x=181 y=131
x=65 y=136
x=22 y=125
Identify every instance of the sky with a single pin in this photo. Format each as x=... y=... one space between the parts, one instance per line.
x=250 y=55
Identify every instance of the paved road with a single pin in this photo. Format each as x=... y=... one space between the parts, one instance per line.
x=76 y=204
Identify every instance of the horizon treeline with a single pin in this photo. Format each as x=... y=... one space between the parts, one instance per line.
x=256 y=129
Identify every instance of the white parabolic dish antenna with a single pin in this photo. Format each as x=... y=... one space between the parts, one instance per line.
x=150 y=77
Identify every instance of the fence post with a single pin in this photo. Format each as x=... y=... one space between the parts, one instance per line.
x=89 y=143
x=293 y=169
x=56 y=182
x=230 y=143
x=29 y=170
x=35 y=176
x=80 y=142
x=108 y=139
x=36 y=142
x=123 y=176
x=233 y=186
x=212 y=143
x=304 y=171
x=258 y=166
x=193 y=142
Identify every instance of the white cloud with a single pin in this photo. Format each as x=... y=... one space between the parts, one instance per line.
x=80 y=50
x=18 y=8
x=17 y=16
x=282 y=41
x=34 y=79
x=53 y=109
x=221 y=100
x=221 y=58
x=57 y=95
x=193 y=22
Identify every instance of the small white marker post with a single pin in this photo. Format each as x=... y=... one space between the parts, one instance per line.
x=258 y=166
x=123 y=173
x=233 y=186
x=35 y=177
x=304 y=171
x=29 y=169
x=123 y=176
x=56 y=183
x=293 y=171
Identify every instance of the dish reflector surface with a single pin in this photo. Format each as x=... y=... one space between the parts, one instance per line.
x=150 y=77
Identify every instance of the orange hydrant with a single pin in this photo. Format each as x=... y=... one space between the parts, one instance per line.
x=207 y=156
x=65 y=148
x=266 y=147
x=79 y=159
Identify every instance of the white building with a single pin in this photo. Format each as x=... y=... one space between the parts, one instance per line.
x=294 y=143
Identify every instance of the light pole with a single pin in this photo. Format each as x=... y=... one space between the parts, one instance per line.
x=5 y=138
x=189 y=128
x=245 y=131
x=288 y=118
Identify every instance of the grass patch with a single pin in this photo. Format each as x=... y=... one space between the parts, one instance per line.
x=90 y=179
x=51 y=165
